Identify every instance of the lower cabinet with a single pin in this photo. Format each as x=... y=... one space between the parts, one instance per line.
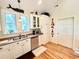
x=20 y=48
x=5 y=52
x=27 y=45
x=15 y=50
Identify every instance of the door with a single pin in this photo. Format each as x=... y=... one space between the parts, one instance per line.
x=66 y=31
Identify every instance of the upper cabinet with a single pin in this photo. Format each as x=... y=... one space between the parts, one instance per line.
x=34 y=21
x=0 y=21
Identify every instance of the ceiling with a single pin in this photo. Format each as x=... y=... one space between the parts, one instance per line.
x=32 y=5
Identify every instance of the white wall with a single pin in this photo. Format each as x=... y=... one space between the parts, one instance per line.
x=70 y=8
x=30 y=5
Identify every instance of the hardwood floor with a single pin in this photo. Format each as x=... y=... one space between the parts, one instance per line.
x=77 y=57
x=56 y=51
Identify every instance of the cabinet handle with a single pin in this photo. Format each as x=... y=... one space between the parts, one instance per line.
x=8 y=49
x=26 y=40
x=22 y=44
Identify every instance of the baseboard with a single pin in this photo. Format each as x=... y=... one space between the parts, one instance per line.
x=54 y=41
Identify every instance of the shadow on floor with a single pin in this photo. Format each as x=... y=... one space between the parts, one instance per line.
x=28 y=55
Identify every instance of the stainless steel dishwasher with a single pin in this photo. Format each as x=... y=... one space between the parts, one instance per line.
x=34 y=42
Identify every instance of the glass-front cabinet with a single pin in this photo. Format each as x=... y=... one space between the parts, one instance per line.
x=34 y=21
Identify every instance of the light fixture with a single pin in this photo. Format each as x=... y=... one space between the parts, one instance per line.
x=39 y=2
x=58 y=3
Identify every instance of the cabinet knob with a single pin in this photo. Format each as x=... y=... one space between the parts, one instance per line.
x=22 y=44
x=26 y=40
x=17 y=43
x=8 y=49
x=1 y=48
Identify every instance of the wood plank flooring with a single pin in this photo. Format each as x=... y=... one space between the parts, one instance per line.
x=77 y=57
x=56 y=51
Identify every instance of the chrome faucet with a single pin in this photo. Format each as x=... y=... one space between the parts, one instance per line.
x=19 y=36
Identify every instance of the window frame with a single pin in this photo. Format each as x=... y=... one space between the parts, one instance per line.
x=4 y=23
x=27 y=20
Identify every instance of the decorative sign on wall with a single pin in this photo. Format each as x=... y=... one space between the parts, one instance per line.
x=45 y=13
x=52 y=26
x=16 y=9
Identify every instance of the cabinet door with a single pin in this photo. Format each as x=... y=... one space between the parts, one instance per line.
x=5 y=52
x=38 y=23
x=20 y=48
x=17 y=49
x=27 y=45
x=34 y=20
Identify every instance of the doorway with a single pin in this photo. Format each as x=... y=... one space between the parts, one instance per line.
x=65 y=31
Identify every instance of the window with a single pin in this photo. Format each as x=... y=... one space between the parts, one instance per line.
x=25 y=25
x=10 y=23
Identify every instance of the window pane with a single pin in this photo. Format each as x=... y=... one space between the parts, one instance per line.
x=10 y=23
x=25 y=25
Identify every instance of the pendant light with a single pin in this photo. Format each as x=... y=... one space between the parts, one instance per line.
x=39 y=2
x=19 y=13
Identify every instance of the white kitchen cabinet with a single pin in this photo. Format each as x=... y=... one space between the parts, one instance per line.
x=27 y=45
x=34 y=21
x=20 y=48
x=45 y=26
x=5 y=52
x=17 y=49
